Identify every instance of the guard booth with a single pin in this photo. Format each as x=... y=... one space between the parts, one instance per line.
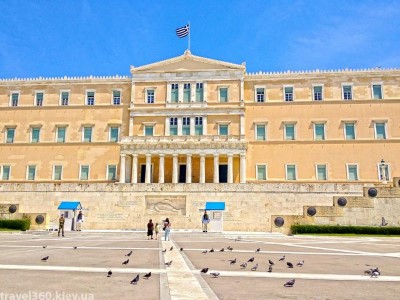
x=69 y=210
x=215 y=211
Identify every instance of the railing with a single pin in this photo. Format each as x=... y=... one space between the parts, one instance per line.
x=183 y=138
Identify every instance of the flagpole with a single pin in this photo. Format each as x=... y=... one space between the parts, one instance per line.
x=189 y=36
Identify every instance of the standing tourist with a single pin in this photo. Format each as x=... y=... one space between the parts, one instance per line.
x=205 y=219
x=79 y=221
x=156 y=230
x=167 y=228
x=150 y=228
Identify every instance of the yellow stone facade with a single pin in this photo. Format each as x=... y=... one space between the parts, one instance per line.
x=191 y=119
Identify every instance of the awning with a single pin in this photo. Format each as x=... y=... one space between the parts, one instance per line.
x=70 y=205
x=215 y=205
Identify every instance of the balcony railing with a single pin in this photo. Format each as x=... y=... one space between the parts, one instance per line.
x=183 y=138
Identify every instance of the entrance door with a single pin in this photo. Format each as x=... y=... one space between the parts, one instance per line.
x=223 y=173
x=182 y=174
x=143 y=174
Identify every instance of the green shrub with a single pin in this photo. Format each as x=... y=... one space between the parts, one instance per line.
x=337 y=229
x=21 y=224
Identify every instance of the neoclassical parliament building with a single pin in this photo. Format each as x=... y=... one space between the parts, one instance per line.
x=183 y=133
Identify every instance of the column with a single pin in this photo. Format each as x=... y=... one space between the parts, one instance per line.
x=202 y=168
x=131 y=126
x=193 y=92
x=216 y=168
x=230 y=168
x=161 y=169
x=188 y=168
x=167 y=126
x=205 y=91
x=242 y=168
x=180 y=92
x=179 y=126
x=148 y=168
x=168 y=92
x=205 y=125
x=134 y=168
x=241 y=92
x=242 y=127
x=192 y=125
x=122 y=169
x=175 y=168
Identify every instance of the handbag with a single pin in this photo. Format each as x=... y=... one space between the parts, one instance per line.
x=163 y=228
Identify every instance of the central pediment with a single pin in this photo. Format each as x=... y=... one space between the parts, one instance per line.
x=187 y=63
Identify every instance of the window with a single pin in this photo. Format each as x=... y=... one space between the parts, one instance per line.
x=10 y=135
x=84 y=173
x=289 y=132
x=261 y=172
x=186 y=92
x=64 y=98
x=288 y=93
x=352 y=172
x=260 y=94
x=223 y=94
x=148 y=130
x=377 y=91
x=380 y=130
x=31 y=173
x=223 y=129
x=319 y=132
x=174 y=92
x=111 y=172
x=61 y=134
x=260 y=132
x=199 y=92
x=321 y=172
x=114 y=134
x=150 y=95
x=291 y=172
x=186 y=126
x=14 y=98
x=198 y=127
x=39 y=98
x=35 y=134
x=87 y=134
x=57 y=172
x=347 y=92
x=116 y=94
x=317 y=91
x=90 y=97
x=173 y=126
x=5 y=172
x=349 y=131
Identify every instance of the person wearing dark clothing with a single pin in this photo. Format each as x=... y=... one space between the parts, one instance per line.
x=150 y=229
x=61 y=222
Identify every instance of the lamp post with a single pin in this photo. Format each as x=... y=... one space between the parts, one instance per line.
x=382 y=167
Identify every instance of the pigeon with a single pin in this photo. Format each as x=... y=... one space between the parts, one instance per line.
x=254 y=268
x=368 y=272
x=243 y=265
x=109 y=273
x=290 y=265
x=300 y=264
x=270 y=269
x=258 y=250
x=44 y=246
x=204 y=252
x=384 y=223
x=233 y=261
x=146 y=276
x=126 y=262
x=129 y=254
x=271 y=262
x=290 y=283
x=204 y=270
x=214 y=274
x=181 y=249
x=222 y=250
x=75 y=247
x=212 y=250
x=282 y=258
x=251 y=259
x=229 y=248
x=375 y=274
x=135 y=280
x=172 y=247
x=45 y=258
x=168 y=264
x=165 y=250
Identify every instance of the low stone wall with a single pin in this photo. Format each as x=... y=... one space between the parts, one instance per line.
x=249 y=207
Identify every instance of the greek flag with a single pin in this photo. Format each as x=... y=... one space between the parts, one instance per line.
x=182 y=31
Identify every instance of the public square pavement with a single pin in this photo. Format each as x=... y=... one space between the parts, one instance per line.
x=333 y=266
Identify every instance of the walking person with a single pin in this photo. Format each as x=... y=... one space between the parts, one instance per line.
x=79 y=221
x=156 y=230
x=61 y=222
x=167 y=228
x=150 y=228
x=205 y=219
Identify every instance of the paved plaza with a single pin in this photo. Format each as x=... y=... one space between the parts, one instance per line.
x=333 y=266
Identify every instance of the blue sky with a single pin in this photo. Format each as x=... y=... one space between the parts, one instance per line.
x=101 y=37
